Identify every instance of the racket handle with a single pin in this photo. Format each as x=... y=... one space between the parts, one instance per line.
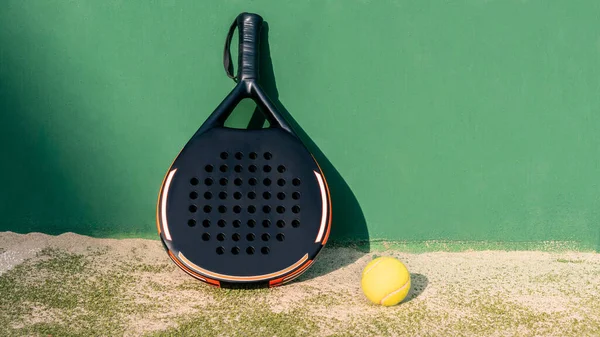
x=249 y=26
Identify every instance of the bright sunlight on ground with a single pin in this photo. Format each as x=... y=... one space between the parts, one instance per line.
x=72 y=285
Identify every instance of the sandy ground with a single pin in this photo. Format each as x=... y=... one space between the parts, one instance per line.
x=72 y=285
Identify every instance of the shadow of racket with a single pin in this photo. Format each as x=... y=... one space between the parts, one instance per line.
x=348 y=222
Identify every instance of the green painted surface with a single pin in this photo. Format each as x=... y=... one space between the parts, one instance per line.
x=461 y=120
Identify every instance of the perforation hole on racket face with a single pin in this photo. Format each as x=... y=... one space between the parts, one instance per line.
x=246 y=205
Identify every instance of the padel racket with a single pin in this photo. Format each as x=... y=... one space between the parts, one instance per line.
x=242 y=206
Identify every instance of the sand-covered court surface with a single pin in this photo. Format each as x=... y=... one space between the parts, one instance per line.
x=73 y=285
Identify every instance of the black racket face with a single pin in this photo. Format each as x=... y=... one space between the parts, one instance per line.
x=244 y=206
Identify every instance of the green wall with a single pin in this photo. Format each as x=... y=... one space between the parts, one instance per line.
x=439 y=120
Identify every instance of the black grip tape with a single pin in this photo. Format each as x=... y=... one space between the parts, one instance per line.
x=249 y=26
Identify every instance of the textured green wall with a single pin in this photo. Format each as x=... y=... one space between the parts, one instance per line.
x=454 y=120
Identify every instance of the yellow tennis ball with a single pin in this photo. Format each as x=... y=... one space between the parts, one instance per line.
x=385 y=281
